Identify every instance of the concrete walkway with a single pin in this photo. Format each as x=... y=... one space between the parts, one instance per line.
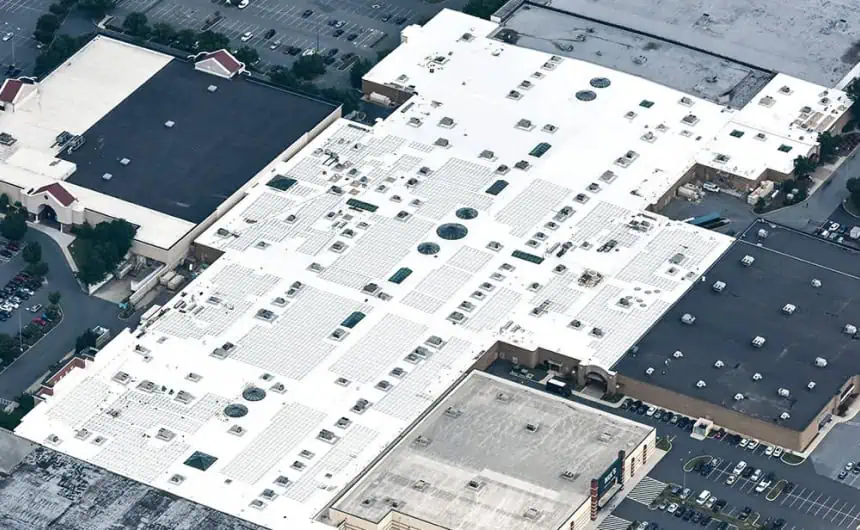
x=63 y=241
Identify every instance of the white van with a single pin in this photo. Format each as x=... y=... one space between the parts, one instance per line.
x=739 y=468
x=703 y=497
x=709 y=186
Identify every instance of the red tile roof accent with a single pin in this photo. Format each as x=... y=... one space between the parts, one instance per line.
x=59 y=192
x=226 y=60
x=9 y=90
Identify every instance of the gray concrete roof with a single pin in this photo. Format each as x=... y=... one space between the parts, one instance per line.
x=812 y=40
x=751 y=305
x=489 y=443
x=74 y=495
x=219 y=142
x=671 y=64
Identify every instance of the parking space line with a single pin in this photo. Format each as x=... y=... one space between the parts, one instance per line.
x=839 y=511
x=822 y=505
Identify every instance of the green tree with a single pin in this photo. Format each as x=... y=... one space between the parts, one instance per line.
x=54 y=297
x=8 y=347
x=283 y=77
x=46 y=27
x=803 y=166
x=828 y=146
x=247 y=55
x=482 y=8
x=33 y=252
x=760 y=204
x=61 y=48
x=85 y=340
x=853 y=185
x=357 y=71
x=96 y=8
x=350 y=99
x=185 y=39
x=14 y=226
x=100 y=249
x=209 y=41
x=38 y=270
x=853 y=89
x=162 y=33
x=135 y=24
x=4 y=202
x=59 y=9
x=309 y=66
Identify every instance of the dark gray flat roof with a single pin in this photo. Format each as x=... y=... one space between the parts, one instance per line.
x=751 y=304
x=220 y=140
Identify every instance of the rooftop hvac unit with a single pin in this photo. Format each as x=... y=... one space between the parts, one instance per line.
x=649 y=371
x=718 y=286
x=757 y=377
x=820 y=362
x=739 y=397
x=125 y=161
x=719 y=364
x=747 y=260
x=849 y=329
x=783 y=392
x=107 y=176
x=762 y=233
x=758 y=341
x=784 y=416
x=169 y=124
x=810 y=385
x=688 y=319
x=678 y=354
x=816 y=283
x=700 y=384
x=212 y=88
x=789 y=309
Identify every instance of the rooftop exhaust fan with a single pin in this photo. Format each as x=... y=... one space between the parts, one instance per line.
x=783 y=392
x=820 y=362
x=688 y=319
x=810 y=385
x=739 y=397
x=758 y=341
x=719 y=364
x=649 y=371
x=700 y=384
x=784 y=416
x=789 y=309
x=678 y=354
x=747 y=260
x=849 y=329
x=816 y=283
x=757 y=377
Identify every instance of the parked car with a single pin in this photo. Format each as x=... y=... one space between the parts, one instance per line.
x=307 y=13
x=745 y=513
x=739 y=468
x=763 y=485
x=651 y=411
x=674 y=419
x=386 y=17
x=843 y=474
x=247 y=36
x=269 y=34
x=672 y=508
x=351 y=37
x=752 y=445
x=744 y=443
x=293 y=50
x=243 y=4
x=720 y=504
x=400 y=20
x=731 y=479
x=337 y=33
x=332 y=52
x=777 y=452
x=710 y=504
x=768 y=451
x=658 y=414
x=685 y=493
x=755 y=476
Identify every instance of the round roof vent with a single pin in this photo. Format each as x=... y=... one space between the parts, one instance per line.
x=466 y=213
x=586 y=95
x=600 y=82
x=254 y=394
x=451 y=231
x=235 y=410
x=428 y=249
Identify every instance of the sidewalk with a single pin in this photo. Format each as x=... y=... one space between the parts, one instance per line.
x=63 y=241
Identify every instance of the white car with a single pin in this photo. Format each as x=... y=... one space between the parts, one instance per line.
x=703 y=497
x=8 y=36
x=309 y=51
x=710 y=504
x=777 y=452
x=274 y=45
x=739 y=468
x=763 y=485
x=756 y=475
x=243 y=4
x=247 y=36
x=744 y=442
x=752 y=445
x=672 y=508
x=768 y=451
x=713 y=188
x=731 y=479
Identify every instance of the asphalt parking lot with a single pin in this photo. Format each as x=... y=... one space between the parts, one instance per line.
x=17 y=22
x=840 y=449
x=735 y=210
x=80 y=312
x=363 y=27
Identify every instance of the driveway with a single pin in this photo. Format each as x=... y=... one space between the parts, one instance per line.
x=810 y=214
x=80 y=312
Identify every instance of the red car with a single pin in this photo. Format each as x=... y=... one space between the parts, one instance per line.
x=40 y=322
x=12 y=246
